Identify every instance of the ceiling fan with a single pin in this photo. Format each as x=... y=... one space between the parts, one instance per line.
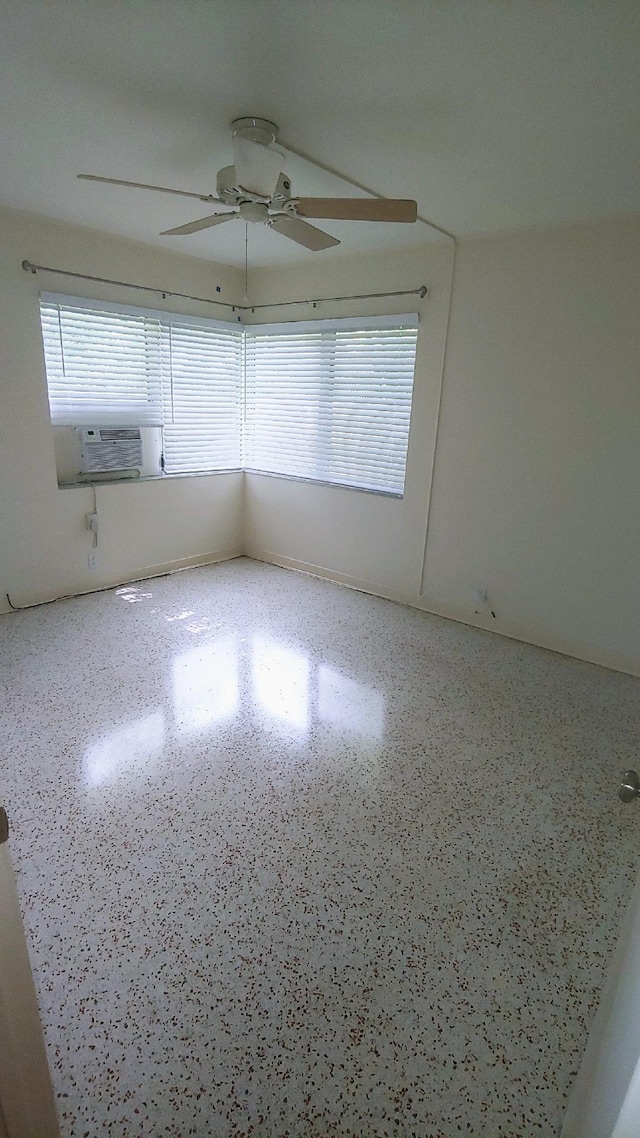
x=261 y=193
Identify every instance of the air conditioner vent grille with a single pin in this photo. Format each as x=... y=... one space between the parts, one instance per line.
x=109 y=449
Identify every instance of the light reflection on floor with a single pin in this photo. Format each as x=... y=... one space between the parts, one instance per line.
x=345 y=703
x=280 y=682
x=206 y=684
x=221 y=679
x=134 y=594
x=138 y=744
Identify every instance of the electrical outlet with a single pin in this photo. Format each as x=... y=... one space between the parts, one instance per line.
x=480 y=595
x=93 y=559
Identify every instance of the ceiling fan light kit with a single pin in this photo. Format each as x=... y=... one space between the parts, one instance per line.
x=258 y=191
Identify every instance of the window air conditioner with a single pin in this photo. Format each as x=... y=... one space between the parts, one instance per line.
x=112 y=449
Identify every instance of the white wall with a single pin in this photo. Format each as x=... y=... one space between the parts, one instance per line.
x=536 y=484
x=143 y=528
x=367 y=539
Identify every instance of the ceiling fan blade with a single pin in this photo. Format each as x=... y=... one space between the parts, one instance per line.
x=202 y=223
x=257 y=167
x=145 y=186
x=358 y=209
x=302 y=233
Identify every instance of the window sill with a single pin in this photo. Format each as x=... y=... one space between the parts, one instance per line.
x=87 y=482
x=322 y=482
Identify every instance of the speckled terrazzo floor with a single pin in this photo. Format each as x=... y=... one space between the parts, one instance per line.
x=297 y=861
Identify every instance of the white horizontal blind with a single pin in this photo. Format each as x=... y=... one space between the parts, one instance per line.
x=203 y=396
x=110 y=364
x=328 y=400
x=103 y=365
x=331 y=401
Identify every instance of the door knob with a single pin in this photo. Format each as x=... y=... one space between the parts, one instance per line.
x=630 y=788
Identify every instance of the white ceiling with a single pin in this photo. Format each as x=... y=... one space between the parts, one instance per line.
x=494 y=114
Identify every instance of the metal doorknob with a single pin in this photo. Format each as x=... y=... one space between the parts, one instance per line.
x=630 y=788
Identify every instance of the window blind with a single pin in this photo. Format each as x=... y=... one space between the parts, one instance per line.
x=202 y=396
x=327 y=401
x=115 y=365
x=103 y=364
x=331 y=401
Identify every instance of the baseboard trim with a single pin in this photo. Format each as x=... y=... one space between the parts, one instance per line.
x=588 y=653
x=143 y=574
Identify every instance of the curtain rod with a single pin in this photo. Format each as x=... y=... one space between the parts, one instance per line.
x=28 y=267
x=422 y=291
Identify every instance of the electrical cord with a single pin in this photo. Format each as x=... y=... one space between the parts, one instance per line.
x=88 y=593
x=95 y=510
x=51 y=601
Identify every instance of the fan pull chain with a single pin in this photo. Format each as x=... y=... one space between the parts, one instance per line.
x=246 y=262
